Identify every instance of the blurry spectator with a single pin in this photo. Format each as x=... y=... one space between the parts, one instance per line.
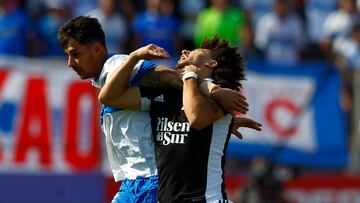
x=16 y=30
x=220 y=18
x=189 y=10
x=316 y=12
x=348 y=49
x=113 y=24
x=58 y=12
x=338 y=24
x=35 y=9
x=280 y=35
x=157 y=24
x=298 y=7
x=82 y=7
x=341 y=39
x=256 y=8
x=347 y=59
x=128 y=10
x=248 y=48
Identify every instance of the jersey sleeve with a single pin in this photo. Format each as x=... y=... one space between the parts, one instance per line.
x=140 y=70
x=114 y=62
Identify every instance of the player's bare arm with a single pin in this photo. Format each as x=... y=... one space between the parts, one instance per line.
x=199 y=110
x=116 y=92
x=228 y=99
x=162 y=76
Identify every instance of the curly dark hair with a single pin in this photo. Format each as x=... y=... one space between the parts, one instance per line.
x=230 y=66
x=83 y=29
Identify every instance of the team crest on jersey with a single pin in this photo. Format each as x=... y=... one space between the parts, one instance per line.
x=169 y=132
x=159 y=98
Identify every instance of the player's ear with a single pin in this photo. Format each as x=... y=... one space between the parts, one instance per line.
x=211 y=64
x=97 y=48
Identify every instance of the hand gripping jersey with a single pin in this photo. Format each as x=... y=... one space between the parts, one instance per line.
x=127 y=133
x=190 y=162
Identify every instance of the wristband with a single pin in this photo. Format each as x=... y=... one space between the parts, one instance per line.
x=189 y=75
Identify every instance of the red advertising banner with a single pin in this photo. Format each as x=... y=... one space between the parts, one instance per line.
x=307 y=188
x=49 y=119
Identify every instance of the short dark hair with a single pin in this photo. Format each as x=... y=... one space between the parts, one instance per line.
x=230 y=66
x=83 y=29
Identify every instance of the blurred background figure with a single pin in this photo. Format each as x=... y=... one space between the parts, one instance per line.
x=113 y=23
x=128 y=9
x=338 y=44
x=56 y=14
x=347 y=49
x=255 y=9
x=16 y=30
x=189 y=10
x=220 y=18
x=157 y=24
x=82 y=7
x=338 y=24
x=35 y=9
x=248 y=48
x=315 y=12
x=280 y=35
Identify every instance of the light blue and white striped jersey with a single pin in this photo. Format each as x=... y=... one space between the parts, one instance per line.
x=127 y=133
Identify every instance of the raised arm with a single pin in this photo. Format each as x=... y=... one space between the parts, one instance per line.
x=230 y=100
x=116 y=91
x=162 y=76
x=200 y=110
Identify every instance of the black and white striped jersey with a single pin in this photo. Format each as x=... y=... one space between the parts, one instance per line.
x=190 y=162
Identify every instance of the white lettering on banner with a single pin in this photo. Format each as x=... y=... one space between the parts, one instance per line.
x=165 y=129
x=323 y=196
x=277 y=102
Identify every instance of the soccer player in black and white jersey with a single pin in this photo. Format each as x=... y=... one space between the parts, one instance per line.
x=190 y=131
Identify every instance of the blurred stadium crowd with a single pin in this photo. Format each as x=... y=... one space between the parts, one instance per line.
x=279 y=31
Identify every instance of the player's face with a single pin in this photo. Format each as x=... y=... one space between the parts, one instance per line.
x=82 y=59
x=201 y=58
x=197 y=57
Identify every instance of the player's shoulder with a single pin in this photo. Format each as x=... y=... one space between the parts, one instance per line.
x=115 y=60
